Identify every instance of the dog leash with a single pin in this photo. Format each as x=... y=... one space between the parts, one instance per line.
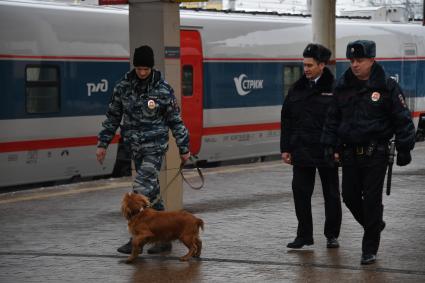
x=198 y=170
x=180 y=172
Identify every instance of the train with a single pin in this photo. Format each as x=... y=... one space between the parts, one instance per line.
x=59 y=64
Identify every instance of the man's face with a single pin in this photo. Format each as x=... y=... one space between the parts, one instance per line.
x=143 y=72
x=312 y=69
x=362 y=67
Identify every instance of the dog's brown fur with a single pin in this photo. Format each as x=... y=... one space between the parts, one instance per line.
x=146 y=225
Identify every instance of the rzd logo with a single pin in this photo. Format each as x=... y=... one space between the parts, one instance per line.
x=245 y=86
x=99 y=87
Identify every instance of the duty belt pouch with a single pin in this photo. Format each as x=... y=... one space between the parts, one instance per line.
x=371 y=148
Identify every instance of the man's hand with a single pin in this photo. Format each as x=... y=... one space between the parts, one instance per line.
x=403 y=158
x=286 y=157
x=336 y=157
x=184 y=157
x=100 y=154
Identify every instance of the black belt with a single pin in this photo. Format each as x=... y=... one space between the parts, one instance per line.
x=367 y=149
x=360 y=150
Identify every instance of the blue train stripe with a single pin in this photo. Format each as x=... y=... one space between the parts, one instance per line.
x=227 y=84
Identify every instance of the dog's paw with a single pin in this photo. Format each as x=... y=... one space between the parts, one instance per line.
x=129 y=260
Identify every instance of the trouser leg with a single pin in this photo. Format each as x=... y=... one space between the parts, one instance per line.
x=302 y=188
x=147 y=174
x=352 y=191
x=372 y=207
x=331 y=194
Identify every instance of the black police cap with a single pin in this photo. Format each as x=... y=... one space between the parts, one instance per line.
x=361 y=49
x=317 y=52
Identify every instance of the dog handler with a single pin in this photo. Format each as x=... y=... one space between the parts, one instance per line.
x=369 y=108
x=146 y=106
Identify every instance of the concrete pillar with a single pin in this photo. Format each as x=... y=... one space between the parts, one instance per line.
x=323 y=26
x=229 y=5
x=157 y=24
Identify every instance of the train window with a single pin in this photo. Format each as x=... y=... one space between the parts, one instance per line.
x=42 y=89
x=290 y=75
x=187 y=80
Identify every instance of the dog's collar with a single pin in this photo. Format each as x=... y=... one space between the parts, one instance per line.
x=137 y=213
x=141 y=209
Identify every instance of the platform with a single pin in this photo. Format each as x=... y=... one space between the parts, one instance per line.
x=70 y=233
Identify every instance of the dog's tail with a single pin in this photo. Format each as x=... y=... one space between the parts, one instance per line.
x=200 y=223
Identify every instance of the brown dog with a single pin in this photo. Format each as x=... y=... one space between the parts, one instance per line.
x=146 y=225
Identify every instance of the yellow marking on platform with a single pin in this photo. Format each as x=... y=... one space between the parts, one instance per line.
x=69 y=192
x=222 y=170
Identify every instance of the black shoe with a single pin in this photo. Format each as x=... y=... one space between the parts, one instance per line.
x=160 y=248
x=126 y=248
x=382 y=226
x=332 y=243
x=298 y=243
x=368 y=259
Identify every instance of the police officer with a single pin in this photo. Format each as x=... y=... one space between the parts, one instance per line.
x=302 y=118
x=369 y=108
x=147 y=107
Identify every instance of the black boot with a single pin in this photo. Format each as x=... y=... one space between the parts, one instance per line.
x=299 y=242
x=368 y=259
x=126 y=248
x=160 y=248
x=332 y=243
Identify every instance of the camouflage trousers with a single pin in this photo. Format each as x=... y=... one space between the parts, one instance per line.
x=147 y=177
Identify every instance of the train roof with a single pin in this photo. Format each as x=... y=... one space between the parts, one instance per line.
x=251 y=34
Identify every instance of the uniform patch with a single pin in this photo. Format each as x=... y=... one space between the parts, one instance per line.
x=151 y=104
x=327 y=93
x=375 y=96
x=402 y=101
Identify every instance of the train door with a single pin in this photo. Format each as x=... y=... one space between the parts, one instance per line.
x=192 y=86
x=291 y=73
x=408 y=74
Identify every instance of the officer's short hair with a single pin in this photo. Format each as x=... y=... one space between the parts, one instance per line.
x=361 y=49
x=318 y=52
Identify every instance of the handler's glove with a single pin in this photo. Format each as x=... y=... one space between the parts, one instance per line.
x=403 y=158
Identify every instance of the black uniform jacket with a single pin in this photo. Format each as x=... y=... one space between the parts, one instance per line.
x=371 y=111
x=302 y=118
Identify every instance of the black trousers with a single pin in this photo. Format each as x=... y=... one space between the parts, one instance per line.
x=362 y=185
x=302 y=188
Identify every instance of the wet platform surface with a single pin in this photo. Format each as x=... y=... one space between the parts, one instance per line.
x=70 y=233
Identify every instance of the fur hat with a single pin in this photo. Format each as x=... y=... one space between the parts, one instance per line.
x=318 y=52
x=143 y=57
x=361 y=49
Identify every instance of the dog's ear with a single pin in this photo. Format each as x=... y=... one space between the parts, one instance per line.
x=129 y=206
x=124 y=209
